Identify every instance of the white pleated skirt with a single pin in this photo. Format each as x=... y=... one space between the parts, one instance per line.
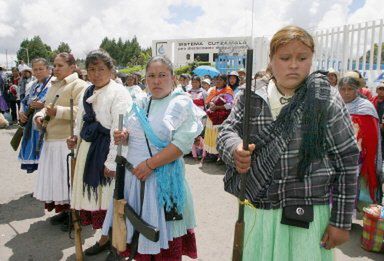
x=79 y=199
x=52 y=179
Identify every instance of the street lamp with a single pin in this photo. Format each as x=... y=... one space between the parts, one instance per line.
x=27 y=54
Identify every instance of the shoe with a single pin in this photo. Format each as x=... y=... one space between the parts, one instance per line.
x=59 y=218
x=66 y=226
x=96 y=248
x=112 y=256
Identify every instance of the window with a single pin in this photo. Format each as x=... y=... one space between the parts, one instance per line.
x=201 y=57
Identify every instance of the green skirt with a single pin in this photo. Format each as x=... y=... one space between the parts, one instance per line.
x=266 y=238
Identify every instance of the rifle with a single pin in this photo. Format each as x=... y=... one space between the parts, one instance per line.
x=122 y=209
x=238 y=243
x=46 y=119
x=74 y=215
x=16 y=139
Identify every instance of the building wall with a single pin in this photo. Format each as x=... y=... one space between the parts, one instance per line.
x=184 y=51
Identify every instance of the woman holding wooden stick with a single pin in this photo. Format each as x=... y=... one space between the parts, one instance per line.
x=302 y=147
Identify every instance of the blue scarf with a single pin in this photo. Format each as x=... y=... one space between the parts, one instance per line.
x=169 y=177
x=92 y=131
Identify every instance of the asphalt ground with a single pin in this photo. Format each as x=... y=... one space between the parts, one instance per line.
x=26 y=234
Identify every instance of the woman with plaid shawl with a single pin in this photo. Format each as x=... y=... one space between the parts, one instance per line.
x=302 y=147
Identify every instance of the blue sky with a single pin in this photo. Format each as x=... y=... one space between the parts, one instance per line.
x=184 y=12
x=355 y=5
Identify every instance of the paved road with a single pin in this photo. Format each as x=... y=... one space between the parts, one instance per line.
x=25 y=233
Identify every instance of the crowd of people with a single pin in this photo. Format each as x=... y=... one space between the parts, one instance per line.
x=315 y=145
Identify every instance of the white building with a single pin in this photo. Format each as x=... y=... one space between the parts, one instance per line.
x=184 y=51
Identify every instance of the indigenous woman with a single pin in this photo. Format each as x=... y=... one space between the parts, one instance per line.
x=134 y=90
x=31 y=104
x=96 y=119
x=302 y=145
x=198 y=94
x=160 y=132
x=52 y=181
x=234 y=81
x=219 y=104
x=366 y=122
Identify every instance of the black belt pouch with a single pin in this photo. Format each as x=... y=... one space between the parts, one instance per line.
x=297 y=216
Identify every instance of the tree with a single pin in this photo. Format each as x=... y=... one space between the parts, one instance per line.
x=126 y=53
x=375 y=53
x=63 y=47
x=35 y=48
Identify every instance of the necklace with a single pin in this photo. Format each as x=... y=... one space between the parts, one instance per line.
x=283 y=100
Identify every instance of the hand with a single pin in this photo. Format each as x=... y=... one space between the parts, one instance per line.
x=71 y=142
x=109 y=173
x=37 y=105
x=23 y=118
x=51 y=111
x=142 y=171
x=120 y=136
x=39 y=122
x=243 y=157
x=334 y=236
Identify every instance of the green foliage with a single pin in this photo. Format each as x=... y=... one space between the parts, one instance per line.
x=126 y=53
x=183 y=69
x=63 y=47
x=36 y=48
x=136 y=68
x=375 y=53
x=190 y=67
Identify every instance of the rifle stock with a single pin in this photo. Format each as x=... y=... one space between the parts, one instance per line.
x=16 y=139
x=74 y=215
x=238 y=244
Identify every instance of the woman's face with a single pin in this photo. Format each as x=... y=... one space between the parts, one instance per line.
x=348 y=93
x=206 y=86
x=220 y=83
x=61 y=68
x=332 y=79
x=15 y=73
x=40 y=71
x=291 y=64
x=195 y=84
x=159 y=80
x=99 y=74
x=130 y=81
x=232 y=80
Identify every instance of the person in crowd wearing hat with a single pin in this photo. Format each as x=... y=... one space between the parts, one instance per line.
x=333 y=77
x=363 y=90
x=234 y=81
x=366 y=123
x=242 y=76
x=22 y=66
x=206 y=84
x=26 y=77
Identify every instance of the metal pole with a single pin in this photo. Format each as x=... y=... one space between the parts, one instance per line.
x=27 y=56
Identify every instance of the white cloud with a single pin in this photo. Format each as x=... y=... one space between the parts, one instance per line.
x=84 y=23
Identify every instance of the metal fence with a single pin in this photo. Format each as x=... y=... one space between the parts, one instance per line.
x=350 y=47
